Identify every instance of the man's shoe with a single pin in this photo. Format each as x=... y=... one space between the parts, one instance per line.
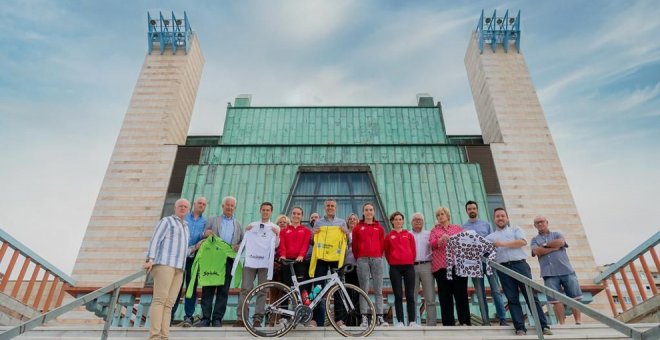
x=203 y=323
x=239 y=323
x=503 y=323
x=217 y=323
x=521 y=332
x=187 y=322
x=381 y=322
x=547 y=331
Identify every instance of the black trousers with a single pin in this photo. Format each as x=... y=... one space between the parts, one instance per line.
x=216 y=311
x=406 y=274
x=450 y=291
x=301 y=269
x=341 y=313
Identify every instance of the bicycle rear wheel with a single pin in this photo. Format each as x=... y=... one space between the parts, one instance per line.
x=338 y=309
x=276 y=317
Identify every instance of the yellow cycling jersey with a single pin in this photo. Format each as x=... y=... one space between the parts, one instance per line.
x=329 y=245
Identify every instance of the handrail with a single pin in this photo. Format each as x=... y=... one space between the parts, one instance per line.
x=613 y=269
x=652 y=333
x=27 y=252
x=42 y=270
x=43 y=318
x=627 y=266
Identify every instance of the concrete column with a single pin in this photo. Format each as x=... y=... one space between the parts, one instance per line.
x=134 y=188
x=529 y=169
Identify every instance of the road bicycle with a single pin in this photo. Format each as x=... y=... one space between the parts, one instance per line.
x=272 y=309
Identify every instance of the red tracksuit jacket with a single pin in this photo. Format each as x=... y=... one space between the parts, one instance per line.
x=400 y=247
x=294 y=241
x=368 y=240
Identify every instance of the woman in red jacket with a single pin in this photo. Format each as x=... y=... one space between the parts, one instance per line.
x=368 y=238
x=400 y=254
x=294 y=241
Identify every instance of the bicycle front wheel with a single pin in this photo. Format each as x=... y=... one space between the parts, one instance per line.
x=269 y=310
x=347 y=320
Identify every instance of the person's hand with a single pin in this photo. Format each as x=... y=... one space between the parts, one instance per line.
x=148 y=265
x=300 y=258
x=276 y=231
x=235 y=247
x=249 y=227
x=282 y=258
x=317 y=230
x=208 y=232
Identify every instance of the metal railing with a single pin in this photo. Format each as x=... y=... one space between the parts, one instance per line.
x=628 y=263
x=41 y=270
x=86 y=299
x=530 y=286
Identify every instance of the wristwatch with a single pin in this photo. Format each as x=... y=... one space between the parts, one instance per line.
x=545 y=245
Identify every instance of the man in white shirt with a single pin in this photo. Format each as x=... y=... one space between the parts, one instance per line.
x=261 y=239
x=423 y=273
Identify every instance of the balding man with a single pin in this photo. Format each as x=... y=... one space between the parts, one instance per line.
x=556 y=269
x=196 y=225
x=166 y=259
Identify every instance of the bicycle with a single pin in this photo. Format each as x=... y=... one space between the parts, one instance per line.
x=284 y=308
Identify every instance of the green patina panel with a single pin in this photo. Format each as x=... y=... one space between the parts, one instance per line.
x=405 y=187
x=415 y=166
x=333 y=125
x=344 y=154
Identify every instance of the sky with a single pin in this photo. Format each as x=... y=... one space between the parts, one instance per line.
x=68 y=69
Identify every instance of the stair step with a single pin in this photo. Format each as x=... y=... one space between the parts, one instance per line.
x=590 y=331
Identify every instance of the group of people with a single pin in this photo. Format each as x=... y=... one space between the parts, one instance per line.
x=188 y=249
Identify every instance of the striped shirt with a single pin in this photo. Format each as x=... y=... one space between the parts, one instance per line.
x=169 y=245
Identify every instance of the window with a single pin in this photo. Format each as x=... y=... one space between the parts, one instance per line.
x=351 y=187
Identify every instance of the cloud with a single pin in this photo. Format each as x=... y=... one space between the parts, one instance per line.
x=68 y=73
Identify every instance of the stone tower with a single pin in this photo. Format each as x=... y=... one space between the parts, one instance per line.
x=513 y=123
x=134 y=188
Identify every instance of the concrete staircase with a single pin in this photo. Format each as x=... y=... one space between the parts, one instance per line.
x=585 y=331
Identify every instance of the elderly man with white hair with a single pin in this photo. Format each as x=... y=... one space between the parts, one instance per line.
x=166 y=259
x=230 y=231
x=423 y=273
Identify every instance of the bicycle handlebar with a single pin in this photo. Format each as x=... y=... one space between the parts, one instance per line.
x=347 y=268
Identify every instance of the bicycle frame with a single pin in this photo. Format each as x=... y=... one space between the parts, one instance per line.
x=334 y=280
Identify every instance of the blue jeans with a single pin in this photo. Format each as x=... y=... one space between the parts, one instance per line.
x=512 y=289
x=189 y=304
x=494 y=292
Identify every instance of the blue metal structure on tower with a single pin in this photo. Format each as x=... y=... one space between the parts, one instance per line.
x=499 y=30
x=168 y=32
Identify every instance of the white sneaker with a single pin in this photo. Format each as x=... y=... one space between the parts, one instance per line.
x=413 y=324
x=381 y=322
x=400 y=324
x=365 y=321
